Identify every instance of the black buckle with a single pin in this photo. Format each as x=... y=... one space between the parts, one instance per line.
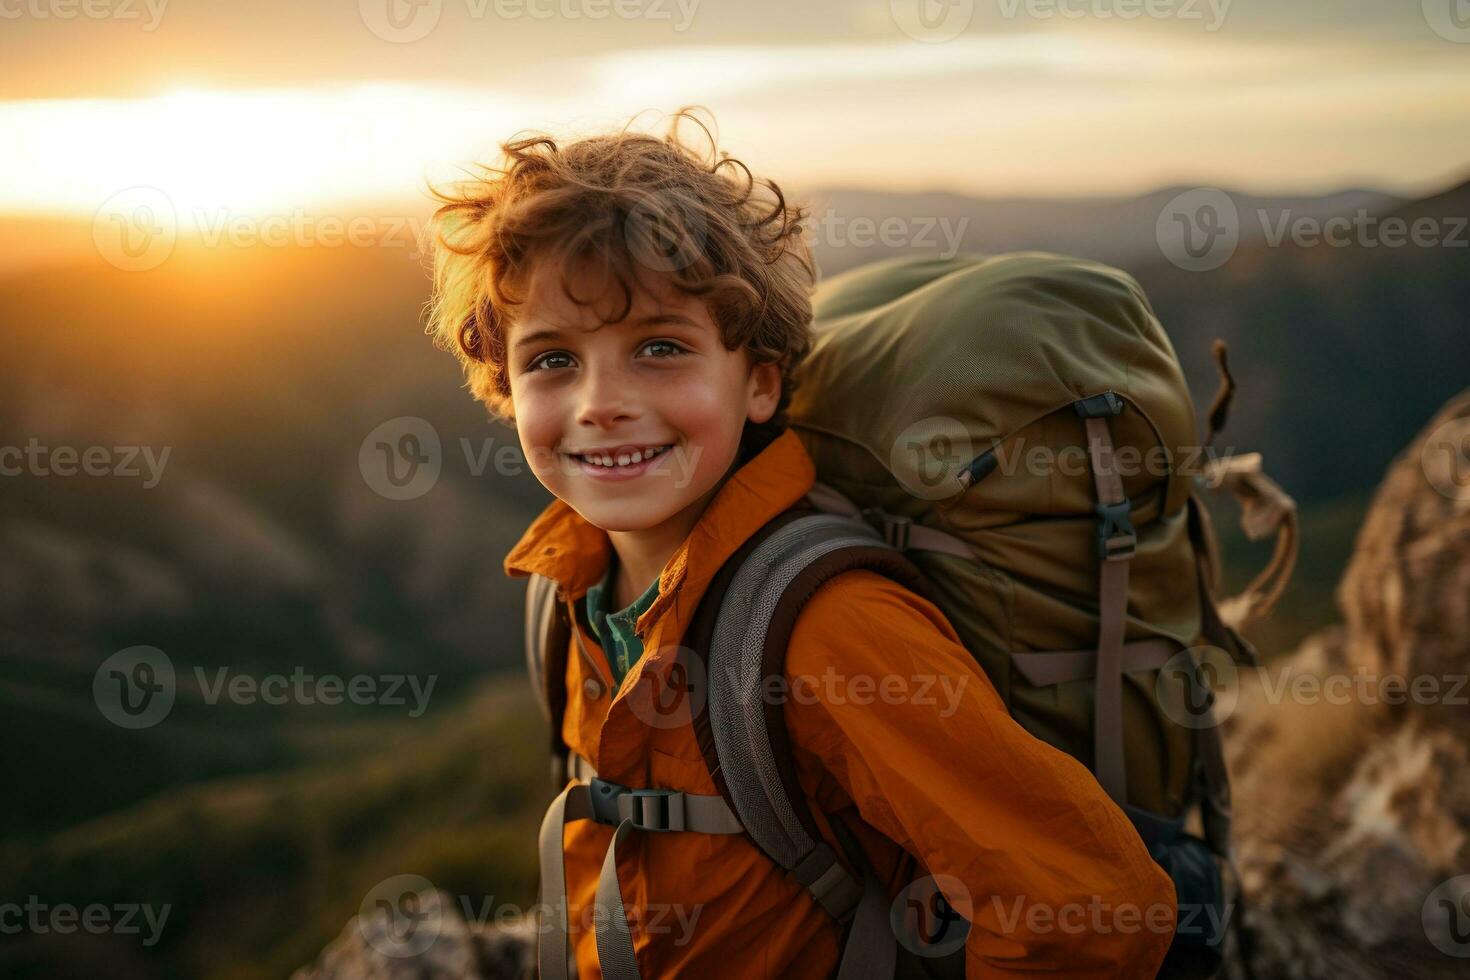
x=647 y=809
x=1100 y=406
x=1116 y=539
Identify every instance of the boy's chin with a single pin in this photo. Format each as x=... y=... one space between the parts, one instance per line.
x=634 y=515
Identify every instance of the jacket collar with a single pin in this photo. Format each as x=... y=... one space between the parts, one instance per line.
x=567 y=548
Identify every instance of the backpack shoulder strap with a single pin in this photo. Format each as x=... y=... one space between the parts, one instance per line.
x=548 y=637
x=741 y=631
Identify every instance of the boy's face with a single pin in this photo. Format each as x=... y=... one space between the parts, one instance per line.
x=658 y=380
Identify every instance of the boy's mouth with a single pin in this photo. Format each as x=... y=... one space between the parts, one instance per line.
x=619 y=461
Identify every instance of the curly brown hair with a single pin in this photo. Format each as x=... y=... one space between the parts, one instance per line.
x=629 y=202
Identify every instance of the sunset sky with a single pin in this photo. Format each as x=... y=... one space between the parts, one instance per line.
x=269 y=105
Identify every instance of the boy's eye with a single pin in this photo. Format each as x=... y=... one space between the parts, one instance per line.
x=545 y=359
x=669 y=346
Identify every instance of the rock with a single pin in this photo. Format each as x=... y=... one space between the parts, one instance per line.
x=1352 y=801
x=431 y=941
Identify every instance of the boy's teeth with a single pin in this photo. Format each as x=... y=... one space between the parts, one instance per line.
x=623 y=459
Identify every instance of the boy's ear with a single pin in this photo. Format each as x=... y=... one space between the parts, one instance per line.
x=763 y=391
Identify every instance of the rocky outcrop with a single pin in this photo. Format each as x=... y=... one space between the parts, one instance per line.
x=432 y=942
x=1351 y=758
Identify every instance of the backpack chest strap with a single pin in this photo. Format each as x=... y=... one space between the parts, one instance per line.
x=627 y=809
x=664 y=811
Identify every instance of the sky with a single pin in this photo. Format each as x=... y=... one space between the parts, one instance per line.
x=262 y=106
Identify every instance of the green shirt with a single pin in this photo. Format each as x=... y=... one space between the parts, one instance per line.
x=614 y=631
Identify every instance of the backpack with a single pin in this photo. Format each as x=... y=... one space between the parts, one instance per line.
x=972 y=422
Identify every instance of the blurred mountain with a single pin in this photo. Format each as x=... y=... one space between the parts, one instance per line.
x=258 y=539
x=848 y=223
x=1340 y=352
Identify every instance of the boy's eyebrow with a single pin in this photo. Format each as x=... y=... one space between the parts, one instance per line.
x=652 y=320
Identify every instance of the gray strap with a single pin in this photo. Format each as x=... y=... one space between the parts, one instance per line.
x=540 y=607
x=829 y=882
x=580 y=769
x=614 y=940
x=1061 y=666
x=901 y=532
x=551 y=944
x=871 y=951
x=1109 y=764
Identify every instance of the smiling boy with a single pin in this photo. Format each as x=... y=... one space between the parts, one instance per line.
x=639 y=311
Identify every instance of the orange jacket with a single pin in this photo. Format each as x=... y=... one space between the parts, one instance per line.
x=945 y=784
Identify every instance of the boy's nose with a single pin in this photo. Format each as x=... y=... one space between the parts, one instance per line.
x=604 y=400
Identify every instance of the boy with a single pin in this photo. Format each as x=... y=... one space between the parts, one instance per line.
x=639 y=313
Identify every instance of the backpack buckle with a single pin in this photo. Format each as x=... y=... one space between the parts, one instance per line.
x=893 y=527
x=1116 y=539
x=645 y=809
x=653 y=809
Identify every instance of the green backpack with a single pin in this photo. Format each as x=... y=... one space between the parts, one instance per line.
x=1012 y=438
x=1020 y=427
